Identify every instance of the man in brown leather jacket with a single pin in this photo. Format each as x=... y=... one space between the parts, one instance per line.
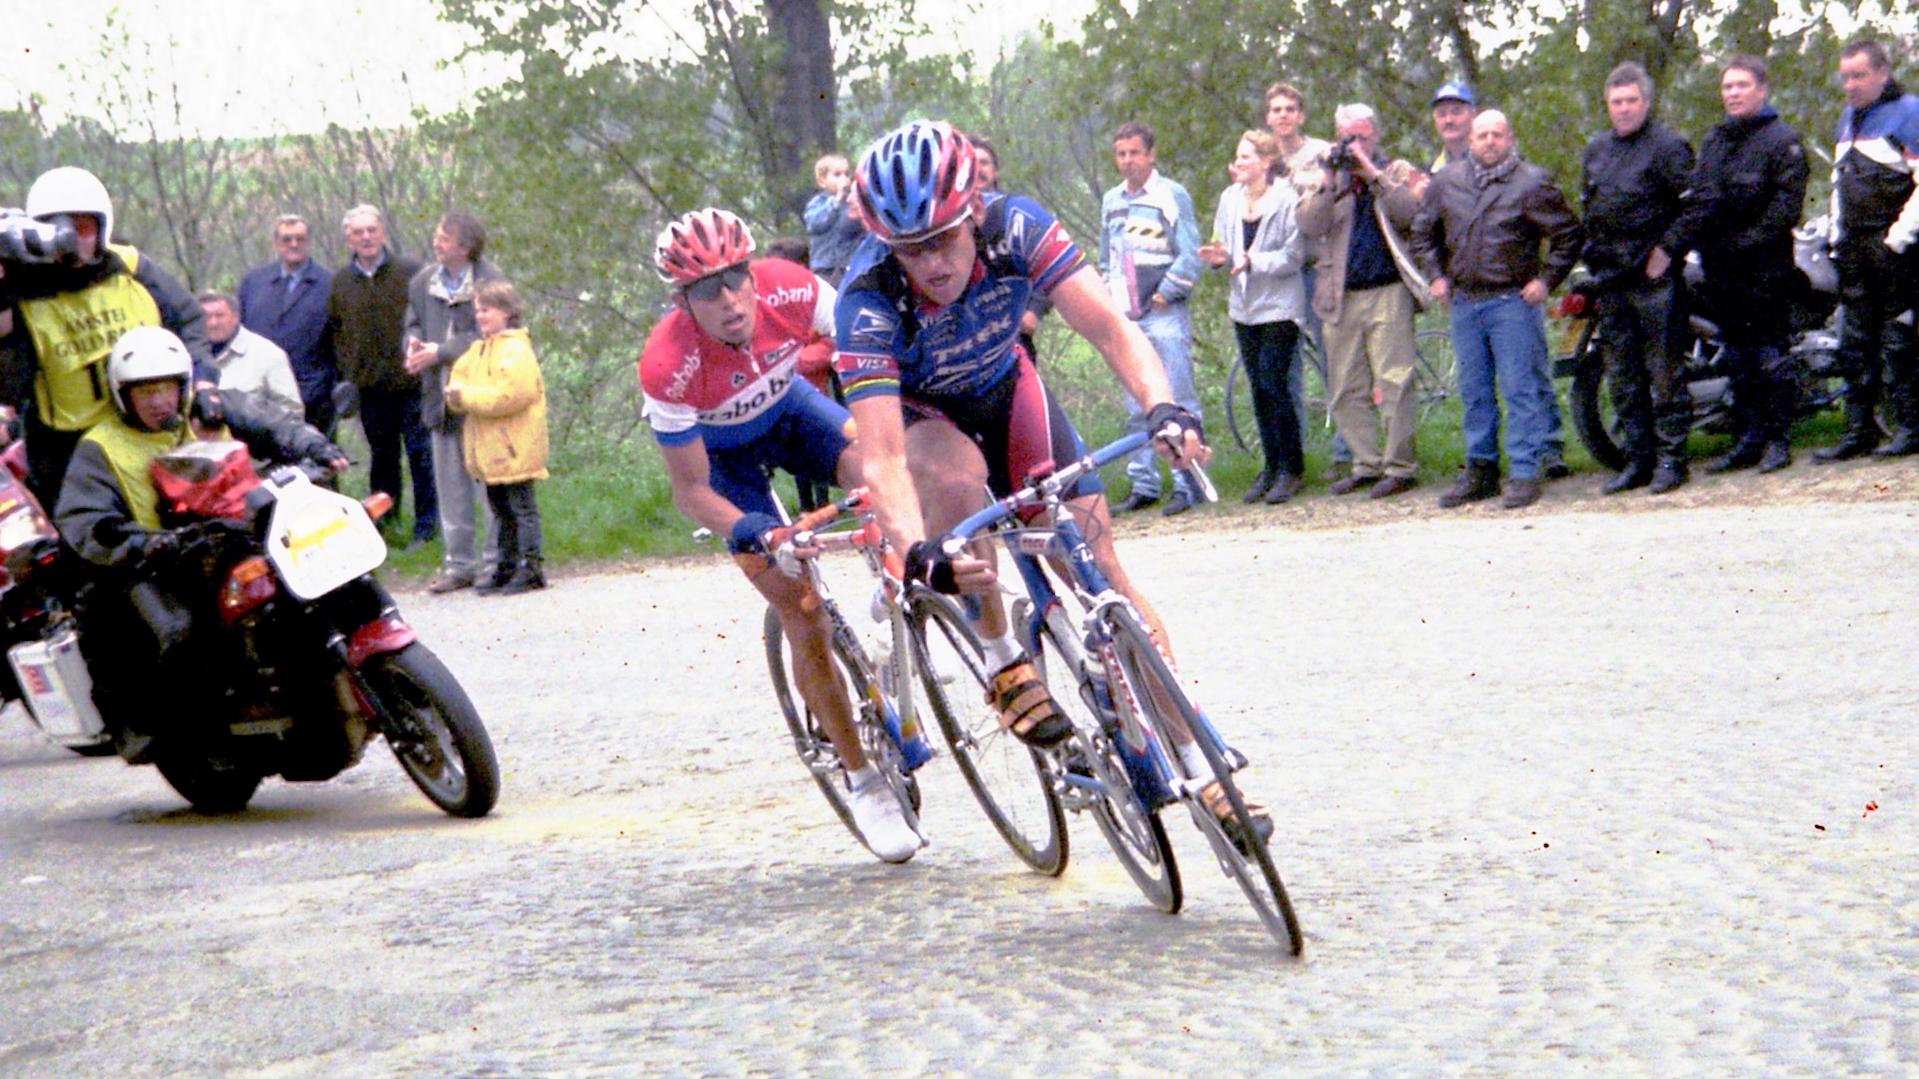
x=1478 y=235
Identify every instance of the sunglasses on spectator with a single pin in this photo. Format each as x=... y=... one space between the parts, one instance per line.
x=707 y=289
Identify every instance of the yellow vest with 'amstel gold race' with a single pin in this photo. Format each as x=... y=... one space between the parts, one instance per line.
x=73 y=333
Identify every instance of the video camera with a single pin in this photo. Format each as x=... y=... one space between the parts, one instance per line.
x=1341 y=158
x=24 y=239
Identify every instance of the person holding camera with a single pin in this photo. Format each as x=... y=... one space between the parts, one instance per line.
x=73 y=293
x=1359 y=217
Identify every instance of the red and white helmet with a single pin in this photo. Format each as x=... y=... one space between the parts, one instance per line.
x=700 y=243
x=917 y=181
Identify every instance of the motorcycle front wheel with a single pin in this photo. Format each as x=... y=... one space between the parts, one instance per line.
x=1589 y=400
x=439 y=738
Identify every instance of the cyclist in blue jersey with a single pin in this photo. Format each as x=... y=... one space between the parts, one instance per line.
x=948 y=405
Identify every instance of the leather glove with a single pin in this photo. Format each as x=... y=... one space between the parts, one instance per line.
x=931 y=567
x=1167 y=412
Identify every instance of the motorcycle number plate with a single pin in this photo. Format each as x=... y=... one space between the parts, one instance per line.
x=320 y=540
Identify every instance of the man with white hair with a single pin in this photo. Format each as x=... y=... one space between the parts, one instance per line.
x=1478 y=236
x=1358 y=218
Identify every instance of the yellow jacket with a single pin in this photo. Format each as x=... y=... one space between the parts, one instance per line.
x=504 y=400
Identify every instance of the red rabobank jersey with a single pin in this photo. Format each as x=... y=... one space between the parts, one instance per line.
x=696 y=387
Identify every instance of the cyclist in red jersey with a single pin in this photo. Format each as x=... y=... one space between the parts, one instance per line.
x=726 y=403
x=949 y=406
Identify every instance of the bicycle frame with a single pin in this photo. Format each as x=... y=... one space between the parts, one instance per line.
x=1156 y=780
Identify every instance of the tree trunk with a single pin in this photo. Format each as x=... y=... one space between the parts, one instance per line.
x=805 y=110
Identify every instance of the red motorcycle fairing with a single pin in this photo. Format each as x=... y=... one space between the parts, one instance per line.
x=387 y=633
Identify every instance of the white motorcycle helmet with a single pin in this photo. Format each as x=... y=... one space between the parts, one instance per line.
x=71 y=190
x=143 y=354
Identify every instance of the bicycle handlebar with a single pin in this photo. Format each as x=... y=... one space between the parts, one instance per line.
x=1048 y=487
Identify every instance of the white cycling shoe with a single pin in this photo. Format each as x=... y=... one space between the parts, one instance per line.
x=882 y=823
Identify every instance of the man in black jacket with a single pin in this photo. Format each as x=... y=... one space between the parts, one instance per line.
x=365 y=312
x=1747 y=191
x=1478 y=235
x=1632 y=179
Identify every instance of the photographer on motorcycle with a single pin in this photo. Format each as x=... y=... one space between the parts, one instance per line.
x=74 y=292
x=110 y=512
x=1747 y=191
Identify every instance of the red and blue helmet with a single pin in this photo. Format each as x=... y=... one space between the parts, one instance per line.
x=917 y=181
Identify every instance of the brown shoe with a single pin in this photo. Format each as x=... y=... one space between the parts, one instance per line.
x=1393 y=485
x=1520 y=494
x=1335 y=472
x=1352 y=483
x=449 y=581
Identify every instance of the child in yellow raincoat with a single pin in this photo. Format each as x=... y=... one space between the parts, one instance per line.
x=496 y=384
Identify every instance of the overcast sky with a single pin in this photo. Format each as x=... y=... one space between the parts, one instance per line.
x=248 y=67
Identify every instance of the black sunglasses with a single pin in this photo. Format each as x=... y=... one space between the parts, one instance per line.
x=707 y=289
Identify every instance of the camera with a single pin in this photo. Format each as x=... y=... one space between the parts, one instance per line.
x=1340 y=158
x=23 y=239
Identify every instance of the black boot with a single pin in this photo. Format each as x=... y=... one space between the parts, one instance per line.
x=1671 y=474
x=1637 y=473
x=525 y=579
x=1862 y=431
x=1778 y=455
x=502 y=574
x=1904 y=443
x=1478 y=482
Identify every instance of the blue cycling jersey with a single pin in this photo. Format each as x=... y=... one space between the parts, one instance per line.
x=891 y=342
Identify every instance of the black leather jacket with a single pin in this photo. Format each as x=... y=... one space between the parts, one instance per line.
x=1632 y=186
x=1747 y=193
x=1488 y=242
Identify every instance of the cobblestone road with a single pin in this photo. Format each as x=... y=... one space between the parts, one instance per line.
x=1568 y=793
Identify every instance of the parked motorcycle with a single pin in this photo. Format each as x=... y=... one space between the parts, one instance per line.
x=1812 y=355
x=306 y=653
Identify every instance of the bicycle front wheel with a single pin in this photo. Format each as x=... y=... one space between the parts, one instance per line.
x=1007 y=777
x=816 y=750
x=1096 y=778
x=1159 y=697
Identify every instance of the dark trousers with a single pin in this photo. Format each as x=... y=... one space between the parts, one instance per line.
x=1644 y=327
x=1269 y=350
x=1876 y=286
x=391 y=419
x=516 y=522
x=48 y=452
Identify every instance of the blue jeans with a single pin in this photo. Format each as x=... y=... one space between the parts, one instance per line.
x=1171 y=334
x=1500 y=345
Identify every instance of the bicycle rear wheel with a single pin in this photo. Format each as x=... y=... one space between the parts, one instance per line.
x=1093 y=775
x=1007 y=777
x=816 y=750
x=1155 y=688
x=1437 y=376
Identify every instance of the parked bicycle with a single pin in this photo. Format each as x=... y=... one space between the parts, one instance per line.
x=1129 y=710
x=923 y=645
x=1435 y=380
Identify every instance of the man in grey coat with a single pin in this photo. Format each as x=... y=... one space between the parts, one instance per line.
x=440 y=327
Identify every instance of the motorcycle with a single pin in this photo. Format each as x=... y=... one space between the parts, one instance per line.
x=307 y=655
x=44 y=670
x=1811 y=357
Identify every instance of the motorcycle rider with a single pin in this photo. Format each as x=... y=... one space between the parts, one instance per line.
x=1633 y=178
x=1747 y=190
x=70 y=311
x=726 y=403
x=1875 y=217
x=109 y=510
